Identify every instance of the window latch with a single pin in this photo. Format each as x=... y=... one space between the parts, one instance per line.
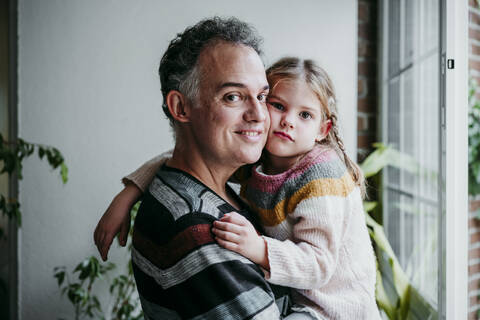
x=450 y=64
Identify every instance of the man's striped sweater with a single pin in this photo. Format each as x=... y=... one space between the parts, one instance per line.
x=181 y=272
x=317 y=239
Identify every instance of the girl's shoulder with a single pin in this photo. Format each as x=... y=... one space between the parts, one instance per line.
x=324 y=162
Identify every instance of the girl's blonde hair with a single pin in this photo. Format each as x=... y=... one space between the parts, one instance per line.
x=317 y=79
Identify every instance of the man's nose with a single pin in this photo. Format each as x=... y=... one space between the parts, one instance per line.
x=257 y=111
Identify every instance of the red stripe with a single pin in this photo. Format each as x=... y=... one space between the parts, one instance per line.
x=165 y=256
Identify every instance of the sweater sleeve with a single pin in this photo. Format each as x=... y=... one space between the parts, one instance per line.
x=144 y=175
x=309 y=260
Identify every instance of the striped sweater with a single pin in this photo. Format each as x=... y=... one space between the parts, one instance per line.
x=180 y=271
x=316 y=235
x=315 y=230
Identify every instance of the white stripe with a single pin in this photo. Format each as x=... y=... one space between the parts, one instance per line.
x=249 y=302
x=187 y=267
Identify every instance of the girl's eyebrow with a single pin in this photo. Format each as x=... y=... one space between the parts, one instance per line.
x=311 y=109
x=270 y=96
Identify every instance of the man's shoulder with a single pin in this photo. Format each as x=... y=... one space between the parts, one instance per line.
x=179 y=194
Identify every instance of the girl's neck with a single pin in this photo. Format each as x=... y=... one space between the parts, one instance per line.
x=275 y=165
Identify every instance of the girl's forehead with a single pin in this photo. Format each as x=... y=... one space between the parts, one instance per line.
x=293 y=87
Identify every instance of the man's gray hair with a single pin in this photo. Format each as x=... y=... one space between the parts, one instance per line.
x=178 y=67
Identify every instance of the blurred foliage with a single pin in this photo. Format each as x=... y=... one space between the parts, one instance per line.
x=394 y=293
x=12 y=154
x=473 y=140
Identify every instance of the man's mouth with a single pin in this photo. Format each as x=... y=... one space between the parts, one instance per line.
x=249 y=133
x=283 y=135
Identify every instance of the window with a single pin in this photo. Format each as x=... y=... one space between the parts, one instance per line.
x=410 y=107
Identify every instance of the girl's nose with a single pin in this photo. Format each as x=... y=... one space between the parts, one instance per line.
x=286 y=123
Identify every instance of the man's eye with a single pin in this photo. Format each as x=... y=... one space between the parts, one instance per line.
x=232 y=97
x=277 y=106
x=305 y=115
x=262 y=97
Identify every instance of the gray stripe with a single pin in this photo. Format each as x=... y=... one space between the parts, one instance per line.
x=243 y=306
x=211 y=202
x=265 y=200
x=167 y=197
x=192 y=192
x=184 y=185
x=187 y=267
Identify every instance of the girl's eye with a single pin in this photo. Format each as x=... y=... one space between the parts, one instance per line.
x=305 y=115
x=232 y=97
x=277 y=106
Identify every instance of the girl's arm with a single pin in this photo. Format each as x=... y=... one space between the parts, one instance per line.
x=116 y=220
x=309 y=260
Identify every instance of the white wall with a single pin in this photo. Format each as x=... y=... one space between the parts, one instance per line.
x=88 y=85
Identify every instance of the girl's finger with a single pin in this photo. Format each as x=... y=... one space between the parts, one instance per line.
x=234 y=217
x=226 y=235
x=227 y=226
x=227 y=244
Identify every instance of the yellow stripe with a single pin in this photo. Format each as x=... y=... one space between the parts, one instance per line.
x=316 y=188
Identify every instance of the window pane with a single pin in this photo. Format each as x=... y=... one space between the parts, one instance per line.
x=411 y=120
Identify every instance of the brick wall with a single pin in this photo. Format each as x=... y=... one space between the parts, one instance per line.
x=367 y=76
x=474 y=223
x=474 y=260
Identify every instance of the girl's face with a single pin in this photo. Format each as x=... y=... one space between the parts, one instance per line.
x=296 y=120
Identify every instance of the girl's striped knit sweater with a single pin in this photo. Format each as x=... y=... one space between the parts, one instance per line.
x=317 y=239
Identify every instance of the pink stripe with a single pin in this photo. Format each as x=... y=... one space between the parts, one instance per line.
x=271 y=184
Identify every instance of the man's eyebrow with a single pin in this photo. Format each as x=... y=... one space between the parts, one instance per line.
x=238 y=85
x=231 y=84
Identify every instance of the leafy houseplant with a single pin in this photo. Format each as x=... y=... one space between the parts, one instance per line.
x=394 y=293
x=12 y=154
x=79 y=287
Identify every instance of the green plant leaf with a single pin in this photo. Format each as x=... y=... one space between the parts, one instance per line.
x=64 y=172
x=369 y=205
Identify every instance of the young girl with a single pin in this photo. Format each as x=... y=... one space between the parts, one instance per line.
x=307 y=194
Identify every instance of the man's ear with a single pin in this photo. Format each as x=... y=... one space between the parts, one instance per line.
x=324 y=130
x=178 y=106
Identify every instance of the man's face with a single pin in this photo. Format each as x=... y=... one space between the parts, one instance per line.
x=230 y=122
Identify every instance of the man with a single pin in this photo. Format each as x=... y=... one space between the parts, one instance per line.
x=214 y=89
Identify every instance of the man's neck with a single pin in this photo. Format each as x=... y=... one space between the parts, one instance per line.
x=213 y=175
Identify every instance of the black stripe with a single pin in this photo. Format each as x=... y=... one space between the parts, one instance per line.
x=207 y=289
x=154 y=221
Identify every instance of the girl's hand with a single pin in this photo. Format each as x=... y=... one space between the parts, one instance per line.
x=234 y=232
x=116 y=220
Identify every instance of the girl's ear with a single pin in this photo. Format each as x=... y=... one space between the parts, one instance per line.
x=324 y=130
x=178 y=106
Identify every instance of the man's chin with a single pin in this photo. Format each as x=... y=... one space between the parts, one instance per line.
x=251 y=157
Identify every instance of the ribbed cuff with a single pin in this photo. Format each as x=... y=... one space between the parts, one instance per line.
x=143 y=176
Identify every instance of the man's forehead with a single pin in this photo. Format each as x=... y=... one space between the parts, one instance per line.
x=232 y=63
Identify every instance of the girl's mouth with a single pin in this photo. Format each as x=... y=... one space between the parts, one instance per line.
x=283 y=135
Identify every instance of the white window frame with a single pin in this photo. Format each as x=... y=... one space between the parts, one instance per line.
x=455 y=226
